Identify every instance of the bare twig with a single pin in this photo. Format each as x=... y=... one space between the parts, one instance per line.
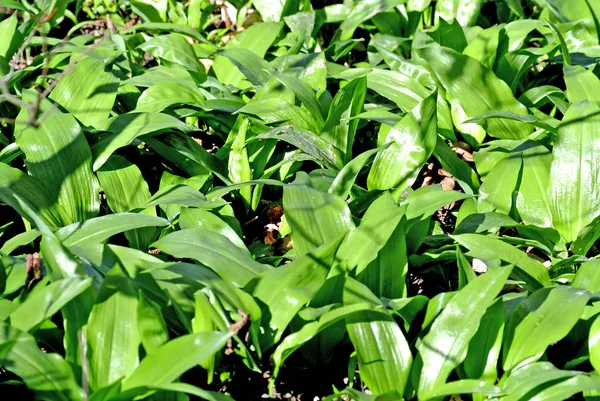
x=33 y=109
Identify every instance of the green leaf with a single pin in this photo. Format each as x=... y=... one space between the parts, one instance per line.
x=125 y=189
x=166 y=94
x=582 y=84
x=102 y=228
x=484 y=347
x=196 y=218
x=594 y=344
x=465 y=12
x=58 y=156
x=323 y=152
x=43 y=304
x=405 y=91
x=533 y=202
x=384 y=356
x=376 y=227
x=340 y=128
x=151 y=325
x=37 y=196
x=12 y=38
x=362 y=11
x=345 y=179
x=183 y=353
x=88 y=91
x=412 y=140
x=181 y=194
x=258 y=38
x=588 y=276
x=310 y=330
x=545 y=317
x=487 y=248
x=251 y=65
x=522 y=381
x=213 y=250
x=112 y=332
x=174 y=48
x=284 y=290
x=574 y=200
x=125 y=128
x=446 y=344
x=47 y=375
x=477 y=90
x=315 y=217
x=586 y=238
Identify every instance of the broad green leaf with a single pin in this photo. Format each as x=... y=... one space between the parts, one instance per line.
x=347 y=103
x=251 y=65
x=323 y=151
x=286 y=289
x=150 y=10
x=213 y=250
x=184 y=353
x=532 y=202
x=377 y=249
x=588 y=276
x=58 y=156
x=544 y=318
x=12 y=37
x=196 y=218
x=174 y=48
x=238 y=163
x=586 y=238
x=575 y=168
x=43 y=304
x=488 y=248
x=161 y=75
x=304 y=93
x=36 y=195
x=463 y=11
x=496 y=192
x=594 y=344
x=19 y=240
x=315 y=217
x=125 y=128
x=166 y=94
x=446 y=344
x=181 y=194
x=112 y=333
x=310 y=330
x=582 y=84
x=522 y=381
x=412 y=140
x=151 y=325
x=568 y=388
x=481 y=222
x=48 y=375
x=125 y=189
x=466 y=387
x=102 y=228
x=345 y=179
x=88 y=91
x=477 y=90
x=405 y=91
x=484 y=347
x=362 y=11
x=188 y=155
x=384 y=356
x=257 y=39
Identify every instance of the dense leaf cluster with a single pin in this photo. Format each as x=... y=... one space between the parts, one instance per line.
x=206 y=199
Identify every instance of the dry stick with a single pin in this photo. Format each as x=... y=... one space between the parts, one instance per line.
x=33 y=108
